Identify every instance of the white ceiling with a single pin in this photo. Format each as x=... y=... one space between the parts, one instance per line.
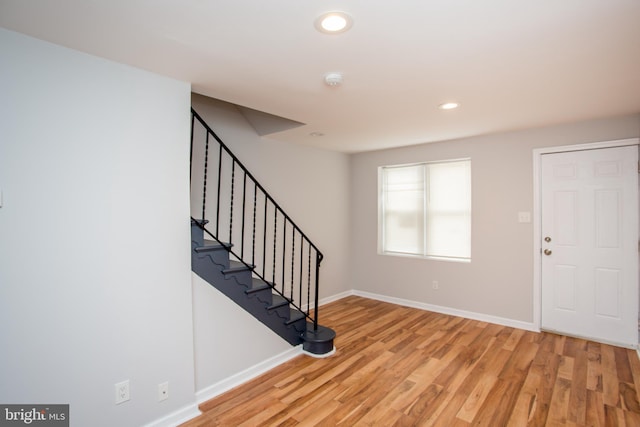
x=511 y=64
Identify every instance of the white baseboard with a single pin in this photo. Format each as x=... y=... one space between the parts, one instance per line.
x=327 y=300
x=178 y=417
x=248 y=374
x=451 y=311
x=320 y=356
x=335 y=297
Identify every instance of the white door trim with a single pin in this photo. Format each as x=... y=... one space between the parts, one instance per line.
x=537 y=214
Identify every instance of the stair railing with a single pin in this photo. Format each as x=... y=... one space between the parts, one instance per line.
x=236 y=211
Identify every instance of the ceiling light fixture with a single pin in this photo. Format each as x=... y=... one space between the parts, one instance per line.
x=333 y=79
x=449 y=106
x=333 y=22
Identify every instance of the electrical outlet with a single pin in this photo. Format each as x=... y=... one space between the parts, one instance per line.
x=122 y=392
x=163 y=391
x=435 y=284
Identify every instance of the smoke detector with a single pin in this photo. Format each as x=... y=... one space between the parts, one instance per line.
x=333 y=79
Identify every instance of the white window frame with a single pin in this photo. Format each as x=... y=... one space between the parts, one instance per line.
x=381 y=220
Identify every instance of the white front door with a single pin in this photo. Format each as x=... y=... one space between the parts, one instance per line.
x=589 y=228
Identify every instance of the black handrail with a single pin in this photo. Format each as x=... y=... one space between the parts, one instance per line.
x=271 y=236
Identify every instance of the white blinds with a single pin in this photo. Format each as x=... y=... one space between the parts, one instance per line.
x=403 y=212
x=426 y=209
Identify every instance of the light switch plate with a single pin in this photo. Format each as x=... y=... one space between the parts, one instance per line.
x=524 y=216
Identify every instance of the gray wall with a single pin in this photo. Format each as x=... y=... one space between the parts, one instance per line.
x=95 y=280
x=499 y=279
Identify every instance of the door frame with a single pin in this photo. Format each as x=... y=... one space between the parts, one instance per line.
x=537 y=212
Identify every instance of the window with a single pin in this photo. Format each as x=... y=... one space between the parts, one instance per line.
x=425 y=210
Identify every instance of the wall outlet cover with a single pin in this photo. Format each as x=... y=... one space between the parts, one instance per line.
x=122 y=392
x=163 y=391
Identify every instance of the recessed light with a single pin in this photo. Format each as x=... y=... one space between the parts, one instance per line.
x=333 y=22
x=316 y=134
x=448 y=105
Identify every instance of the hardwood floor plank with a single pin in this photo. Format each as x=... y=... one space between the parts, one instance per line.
x=478 y=385
x=622 y=365
x=547 y=364
x=382 y=410
x=573 y=345
x=399 y=366
x=458 y=386
x=610 y=383
x=422 y=406
x=265 y=414
x=422 y=379
x=514 y=338
x=565 y=370
x=560 y=402
x=632 y=418
x=595 y=409
x=578 y=396
x=317 y=408
x=628 y=398
x=594 y=369
x=526 y=403
x=498 y=406
x=476 y=398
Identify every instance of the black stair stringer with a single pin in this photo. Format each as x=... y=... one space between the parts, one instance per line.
x=210 y=261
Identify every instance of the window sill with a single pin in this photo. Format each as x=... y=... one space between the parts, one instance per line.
x=426 y=257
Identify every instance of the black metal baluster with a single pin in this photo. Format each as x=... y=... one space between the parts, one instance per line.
x=315 y=305
x=284 y=247
x=301 y=270
x=193 y=119
x=264 y=239
x=218 y=196
x=293 y=252
x=309 y=280
x=275 y=240
x=244 y=203
x=204 y=187
x=253 y=235
x=233 y=178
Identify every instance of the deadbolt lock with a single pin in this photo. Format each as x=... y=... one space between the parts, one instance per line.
x=547 y=239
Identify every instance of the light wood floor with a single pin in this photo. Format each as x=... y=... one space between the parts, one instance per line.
x=407 y=367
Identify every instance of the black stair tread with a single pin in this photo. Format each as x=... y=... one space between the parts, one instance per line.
x=295 y=316
x=236 y=266
x=278 y=301
x=212 y=245
x=257 y=285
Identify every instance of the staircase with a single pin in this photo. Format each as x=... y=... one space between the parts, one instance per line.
x=249 y=249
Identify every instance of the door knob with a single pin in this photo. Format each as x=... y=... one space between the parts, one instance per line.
x=547 y=252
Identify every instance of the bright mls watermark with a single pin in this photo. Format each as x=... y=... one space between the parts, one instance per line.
x=34 y=415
